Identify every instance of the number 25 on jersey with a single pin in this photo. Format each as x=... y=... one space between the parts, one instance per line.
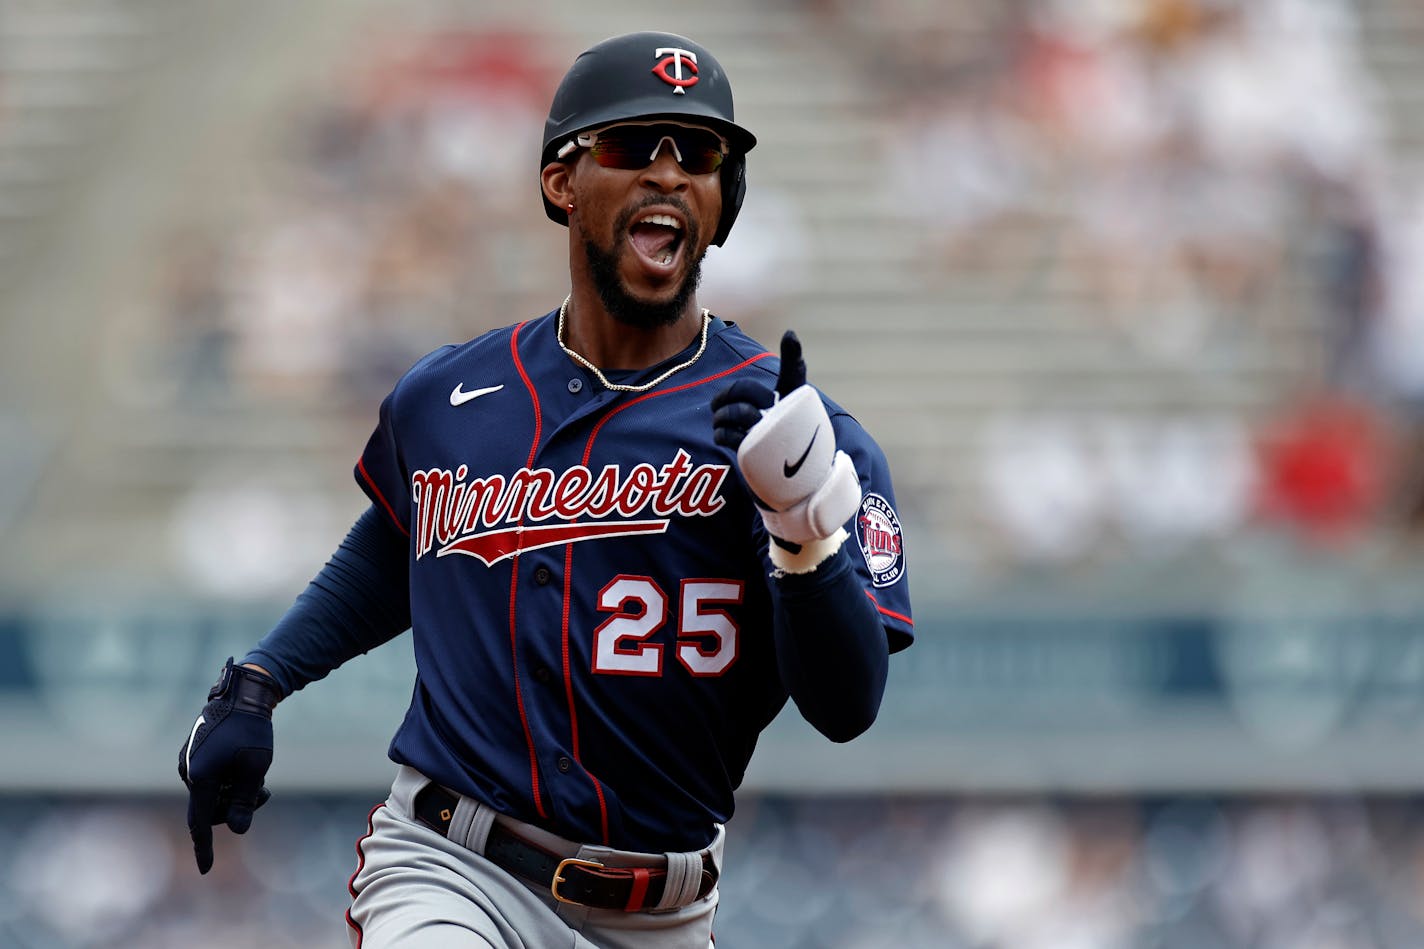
x=706 y=633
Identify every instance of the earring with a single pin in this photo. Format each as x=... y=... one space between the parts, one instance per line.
x=571 y=209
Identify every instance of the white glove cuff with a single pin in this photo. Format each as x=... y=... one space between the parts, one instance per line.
x=824 y=512
x=812 y=554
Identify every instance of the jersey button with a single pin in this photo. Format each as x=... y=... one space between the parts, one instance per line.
x=543 y=675
x=575 y=386
x=542 y=576
x=565 y=764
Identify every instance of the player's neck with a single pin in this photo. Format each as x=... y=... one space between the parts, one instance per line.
x=608 y=343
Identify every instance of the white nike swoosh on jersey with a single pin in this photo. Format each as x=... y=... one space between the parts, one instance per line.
x=188 y=752
x=459 y=397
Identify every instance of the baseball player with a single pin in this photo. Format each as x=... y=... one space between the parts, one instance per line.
x=621 y=534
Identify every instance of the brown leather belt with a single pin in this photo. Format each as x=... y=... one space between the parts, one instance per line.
x=571 y=880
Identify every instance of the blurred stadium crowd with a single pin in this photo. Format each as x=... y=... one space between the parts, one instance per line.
x=1149 y=276
x=1211 y=181
x=1205 y=197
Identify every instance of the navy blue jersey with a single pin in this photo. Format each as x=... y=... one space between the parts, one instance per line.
x=589 y=583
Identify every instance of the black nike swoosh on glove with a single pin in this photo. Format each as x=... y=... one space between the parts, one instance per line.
x=789 y=470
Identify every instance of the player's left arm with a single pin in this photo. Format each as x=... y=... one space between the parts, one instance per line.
x=832 y=647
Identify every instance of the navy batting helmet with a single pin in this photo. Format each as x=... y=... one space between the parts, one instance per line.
x=649 y=76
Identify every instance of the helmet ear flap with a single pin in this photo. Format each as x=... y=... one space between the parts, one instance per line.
x=734 y=189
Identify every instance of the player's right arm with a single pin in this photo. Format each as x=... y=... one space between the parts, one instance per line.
x=358 y=601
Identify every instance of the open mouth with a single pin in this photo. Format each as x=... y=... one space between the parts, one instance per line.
x=658 y=238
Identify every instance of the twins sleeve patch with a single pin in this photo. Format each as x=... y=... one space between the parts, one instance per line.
x=880 y=540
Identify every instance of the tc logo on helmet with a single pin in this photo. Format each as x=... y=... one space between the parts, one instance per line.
x=676 y=60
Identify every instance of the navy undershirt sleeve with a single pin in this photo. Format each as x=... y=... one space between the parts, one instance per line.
x=831 y=647
x=358 y=601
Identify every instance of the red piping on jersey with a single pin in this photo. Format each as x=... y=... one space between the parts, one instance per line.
x=602 y=808
x=890 y=613
x=533 y=395
x=361 y=467
x=588 y=450
x=514 y=585
x=569 y=695
x=360 y=865
x=568 y=679
x=519 y=695
x=568 y=577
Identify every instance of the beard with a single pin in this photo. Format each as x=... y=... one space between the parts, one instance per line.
x=622 y=305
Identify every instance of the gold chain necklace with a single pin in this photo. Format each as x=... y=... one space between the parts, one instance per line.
x=617 y=387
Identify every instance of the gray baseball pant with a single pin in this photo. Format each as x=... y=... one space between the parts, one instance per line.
x=417 y=889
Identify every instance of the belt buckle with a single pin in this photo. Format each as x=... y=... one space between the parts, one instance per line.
x=559 y=877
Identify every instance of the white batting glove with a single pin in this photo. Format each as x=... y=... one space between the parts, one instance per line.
x=786 y=451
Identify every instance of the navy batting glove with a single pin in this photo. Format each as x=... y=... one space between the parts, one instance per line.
x=736 y=409
x=226 y=756
x=739 y=406
x=793 y=367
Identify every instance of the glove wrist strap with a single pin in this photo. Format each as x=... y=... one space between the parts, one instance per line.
x=812 y=554
x=247 y=689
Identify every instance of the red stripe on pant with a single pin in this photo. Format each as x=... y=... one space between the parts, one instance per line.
x=361 y=863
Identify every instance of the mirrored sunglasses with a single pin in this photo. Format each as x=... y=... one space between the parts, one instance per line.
x=632 y=146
